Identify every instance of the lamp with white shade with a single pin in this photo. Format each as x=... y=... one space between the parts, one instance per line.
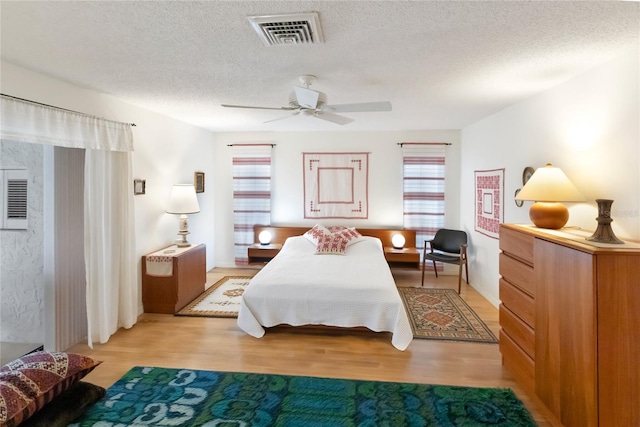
x=548 y=187
x=183 y=201
x=398 y=241
x=264 y=237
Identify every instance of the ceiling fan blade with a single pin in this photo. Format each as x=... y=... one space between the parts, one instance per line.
x=334 y=118
x=258 y=108
x=282 y=118
x=307 y=98
x=359 y=108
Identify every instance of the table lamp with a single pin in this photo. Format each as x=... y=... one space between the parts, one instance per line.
x=264 y=237
x=398 y=241
x=183 y=201
x=548 y=187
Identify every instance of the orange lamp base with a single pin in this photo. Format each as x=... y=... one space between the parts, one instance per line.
x=551 y=215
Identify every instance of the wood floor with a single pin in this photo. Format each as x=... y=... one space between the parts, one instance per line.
x=218 y=344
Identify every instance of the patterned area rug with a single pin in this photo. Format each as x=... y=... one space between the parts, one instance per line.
x=441 y=314
x=222 y=299
x=183 y=397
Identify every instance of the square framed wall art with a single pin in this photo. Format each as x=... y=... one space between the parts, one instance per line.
x=336 y=185
x=489 y=201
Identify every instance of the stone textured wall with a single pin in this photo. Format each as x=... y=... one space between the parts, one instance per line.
x=21 y=253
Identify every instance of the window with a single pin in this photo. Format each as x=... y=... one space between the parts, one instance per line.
x=251 y=195
x=423 y=188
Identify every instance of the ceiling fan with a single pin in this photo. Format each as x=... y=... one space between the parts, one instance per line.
x=309 y=102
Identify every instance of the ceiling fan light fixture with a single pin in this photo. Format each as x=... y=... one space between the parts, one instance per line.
x=308 y=102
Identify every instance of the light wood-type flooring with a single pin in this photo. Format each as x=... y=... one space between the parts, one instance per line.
x=218 y=344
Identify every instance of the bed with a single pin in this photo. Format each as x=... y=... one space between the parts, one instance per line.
x=299 y=287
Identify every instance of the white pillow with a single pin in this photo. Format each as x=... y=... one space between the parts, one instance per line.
x=316 y=232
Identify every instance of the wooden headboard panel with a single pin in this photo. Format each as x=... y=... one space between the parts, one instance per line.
x=280 y=234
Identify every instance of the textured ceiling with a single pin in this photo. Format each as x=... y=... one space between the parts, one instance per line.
x=443 y=65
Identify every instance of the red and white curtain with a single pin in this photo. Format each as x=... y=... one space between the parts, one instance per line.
x=423 y=167
x=251 y=194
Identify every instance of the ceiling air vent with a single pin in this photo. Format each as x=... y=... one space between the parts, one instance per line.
x=295 y=28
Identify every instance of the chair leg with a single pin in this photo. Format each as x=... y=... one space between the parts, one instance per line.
x=466 y=270
x=435 y=268
x=422 y=283
x=459 y=276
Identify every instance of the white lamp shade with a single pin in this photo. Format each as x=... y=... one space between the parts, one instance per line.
x=264 y=237
x=183 y=200
x=550 y=184
x=398 y=241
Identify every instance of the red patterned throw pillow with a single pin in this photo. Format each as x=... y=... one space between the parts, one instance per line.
x=27 y=384
x=331 y=244
x=331 y=238
x=350 y=234
x=316 y=232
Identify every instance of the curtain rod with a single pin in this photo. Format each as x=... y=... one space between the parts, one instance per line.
x=250 y=145
x=423 y=143
x=63 y=109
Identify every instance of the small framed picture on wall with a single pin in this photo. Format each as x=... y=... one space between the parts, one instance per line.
x=139 y=186
x=198 y=182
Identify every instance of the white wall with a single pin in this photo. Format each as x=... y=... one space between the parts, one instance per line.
x=166 y=152
x=21 y=275
x=589 y=127
x=385 y=177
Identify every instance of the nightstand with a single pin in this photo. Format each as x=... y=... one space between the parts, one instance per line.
x=259 y=253
x=405 y=257
x=173 y=277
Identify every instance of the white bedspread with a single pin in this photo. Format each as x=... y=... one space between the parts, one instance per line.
x=298 y=287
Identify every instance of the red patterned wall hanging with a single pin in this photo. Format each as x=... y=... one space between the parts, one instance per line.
x=489 y=201
x=336 y=185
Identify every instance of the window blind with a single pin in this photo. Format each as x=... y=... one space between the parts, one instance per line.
x=423 y=189
x=251 y=195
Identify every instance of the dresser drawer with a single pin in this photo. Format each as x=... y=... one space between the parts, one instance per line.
x=517 y=361
x=516 y=244
x=520 y=304
x=518 y=273
x=521 y=333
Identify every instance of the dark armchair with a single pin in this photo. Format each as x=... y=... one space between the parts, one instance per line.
x=448 y=246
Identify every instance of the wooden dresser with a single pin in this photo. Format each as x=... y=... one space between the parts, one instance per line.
x=171 y=292
x=570 y=319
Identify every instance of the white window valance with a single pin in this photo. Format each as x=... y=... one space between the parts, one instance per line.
x=24 y=121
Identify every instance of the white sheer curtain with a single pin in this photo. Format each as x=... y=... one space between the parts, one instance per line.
x=112 y=287
x=112 y=291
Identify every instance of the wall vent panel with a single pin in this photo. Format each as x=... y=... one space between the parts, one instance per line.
x=14 y=199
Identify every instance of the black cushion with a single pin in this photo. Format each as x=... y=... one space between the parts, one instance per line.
x=67 y=407
x=436 y=256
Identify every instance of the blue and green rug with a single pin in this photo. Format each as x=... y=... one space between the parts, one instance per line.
x=182 y=397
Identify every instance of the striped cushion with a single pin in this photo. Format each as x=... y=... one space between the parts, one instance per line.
x=27 y=384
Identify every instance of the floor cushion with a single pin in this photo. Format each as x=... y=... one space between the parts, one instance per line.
x=28 y=383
